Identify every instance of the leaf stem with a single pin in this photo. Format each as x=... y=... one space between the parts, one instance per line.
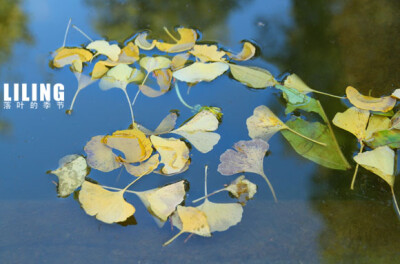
x=270 y=186
x=356 y=169
x=208 y=195
x=130 y=106
x=83 y=33
x=73 y=100
x=303 y=136
x=395 y=202
x=138 y=92
x=117 y=189
x=331 y=95
x=178 y=93
x=170 y=35
x=130 y=184
x=66 y=32
x=172 y=239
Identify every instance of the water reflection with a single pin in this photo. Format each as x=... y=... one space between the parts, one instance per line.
x=118 y=19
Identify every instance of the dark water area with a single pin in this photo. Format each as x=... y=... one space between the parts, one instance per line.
x=318 y=219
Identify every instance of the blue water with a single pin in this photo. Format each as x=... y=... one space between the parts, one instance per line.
x=318 y=220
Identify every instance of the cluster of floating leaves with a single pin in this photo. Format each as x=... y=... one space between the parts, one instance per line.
x=141 y=151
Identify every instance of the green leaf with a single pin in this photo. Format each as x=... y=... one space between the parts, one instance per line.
x=330 y=156
x=253 y=77
x=389 y=137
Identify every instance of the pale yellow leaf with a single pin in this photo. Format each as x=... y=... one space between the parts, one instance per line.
x=103 y=47
x=200 y=71
x=253 y=77
x=263 y=124
x=382 y=104
x=353 y=120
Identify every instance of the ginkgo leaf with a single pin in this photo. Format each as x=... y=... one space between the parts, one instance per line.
x=207 y=53
x=220 y=216
x=133 y=143
x=396 y=94
x=353 y=120
x=83 y=82
x=199 y=71
x=293 y=81
x=198 y=131
x=376 y=123
x=99 y=69
x=187 y=40
x=253 y=77
x=179 y=60
x=100 y=156
x=71 y=174
x=383 y=104
x=166 y=125
x=395 y=120
x=108 y=207
x=242 y=189
x=164 y=78
x=144 y=168
x=248 y=156
x=174 y=154
x=247 y=52
x=66 y=56
x=162 y=202
x=263 y=124
x=129 y=54
x=77 y=66
x=103 y=47
x=142 y=42
x=154 y=63
x=193 y=221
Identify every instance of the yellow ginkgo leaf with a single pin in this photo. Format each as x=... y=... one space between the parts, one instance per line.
x=66 y=56
x=174 y=154
x=132 y=142
x=353 y=120
x=100 y=156
x=253 y=77
x=103 y=47
x=154 y=63
x=198 y=131
x=187 y=40
x=129 y=54
x=99 y=69
x=77 y=66
x=396 y=94
x=179 y=60
x=207 y=53
x=376 y=123
x=293 y=81
x=199 y=71
x=192 y=220
x=164 y=78
x=144 y=168
x=247 y=52
x=142 y=42
x=162 y=202
x=383 y=104
x=108 y=207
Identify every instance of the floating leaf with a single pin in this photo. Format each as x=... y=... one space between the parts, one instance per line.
x=99 y=69
x=199 y=71
x=166 y=125
x=103 y=47
x=71 y=174
x=142 y=42
x=154 y=63
x=253 y=77
x=179 y=60
x=242 y=189
x=100 y=156
x=247 y=52
x=329 y=156
x=108 y=207
x=376 y=123
x=133 y=143
x=207 y=53
x=293 y=81
x=162 y=202
x=192 y=220
x=187 y=40
x=353 y=120
x=248 y=156
x=144 y=168
x=395 y=121
x=383 y=104
x=83 y=82
x=174 y=154
x=389 y=137
x=129 y=54
x=164 y=78
x=263 y=124
x=65 y=56
x=396 y=94
x=198 y=131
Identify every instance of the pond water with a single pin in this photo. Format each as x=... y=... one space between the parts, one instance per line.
x=318 y=219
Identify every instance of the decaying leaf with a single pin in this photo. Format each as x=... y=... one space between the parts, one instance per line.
x=187 y=40
x=353 y=120
x=100 y=156
x=103 y=47
x=108 y=207
x=142 y=42
x=248 y=156
x=199 y=71
x=174 y=154
x=253 y=77
x=198 y=131
x=71 y=174
x=207 y=53
x=247 y=52
x=383 y=104
x=65 y=56
x=242 y=189
x=166 y=125
x=192 y=220
x=162 y=202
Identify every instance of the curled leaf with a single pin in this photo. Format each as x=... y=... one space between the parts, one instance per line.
x=142 y=42
x=383 y=104
x=247 y=52
x=187 y=40
x=66 y=56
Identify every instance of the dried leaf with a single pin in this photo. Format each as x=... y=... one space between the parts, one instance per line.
x=103 y=47
x=383 y=104
x=71 y=174
x=242 y=189
x=253 y=77
x=247 y=52
x=199 y=71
